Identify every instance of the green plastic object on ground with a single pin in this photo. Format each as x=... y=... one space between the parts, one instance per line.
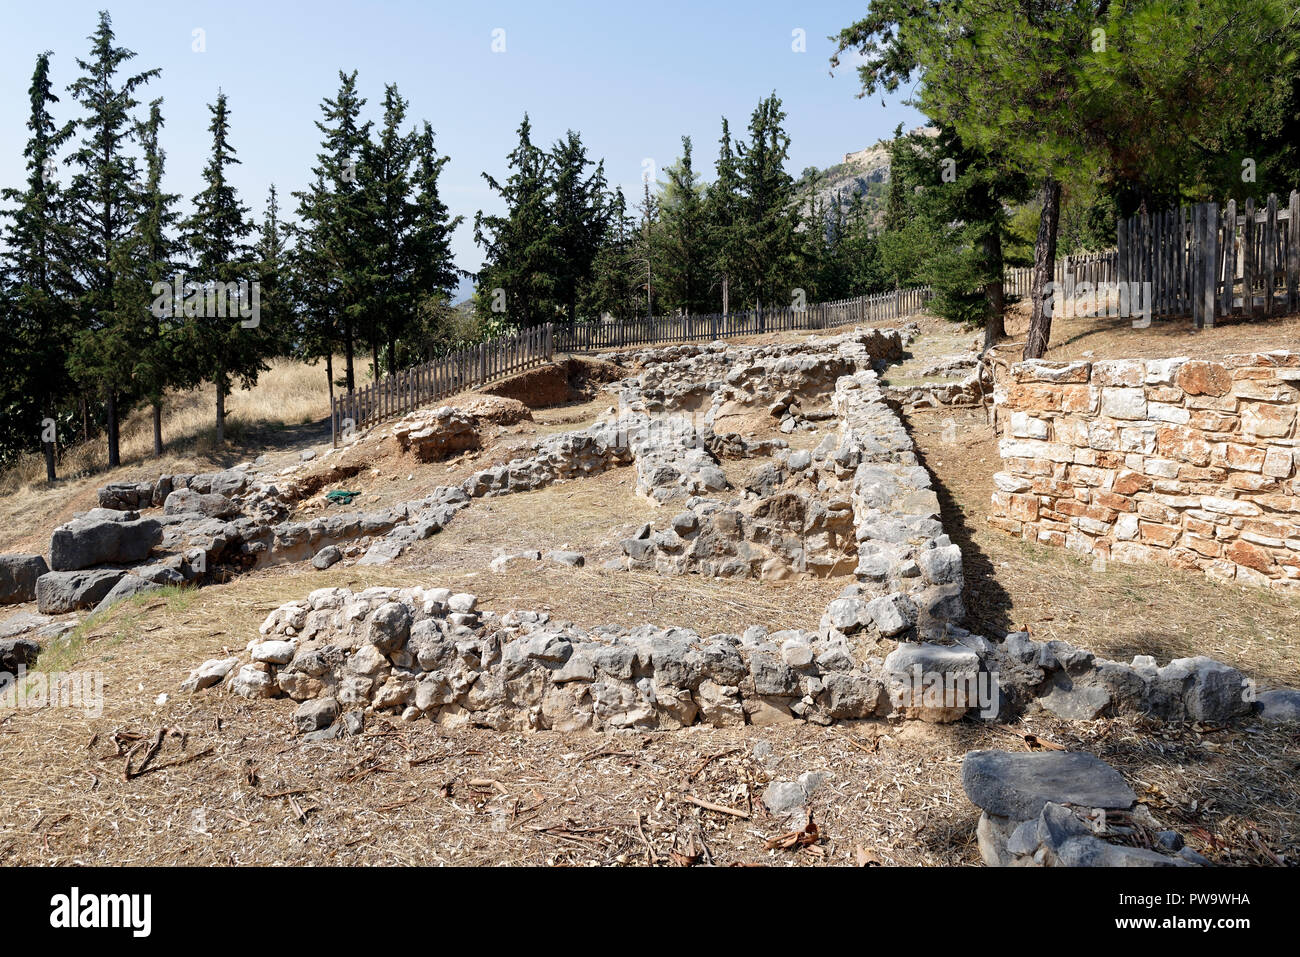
x=341 y=497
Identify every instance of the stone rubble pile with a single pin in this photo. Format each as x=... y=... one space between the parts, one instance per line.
x=796 y=515
x=909 y=573
x=1063 y=809
x=963 y=380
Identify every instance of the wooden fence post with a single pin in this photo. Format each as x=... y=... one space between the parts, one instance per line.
x=1293 y=252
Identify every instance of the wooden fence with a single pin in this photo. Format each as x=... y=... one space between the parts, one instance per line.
x=419 y=385
x=1208 y=261
x=1070 y=270
x=478 y=365
x=592 y=336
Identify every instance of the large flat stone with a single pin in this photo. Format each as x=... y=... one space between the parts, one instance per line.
x=1016 y=786
x=58 y=592
x=84 y=543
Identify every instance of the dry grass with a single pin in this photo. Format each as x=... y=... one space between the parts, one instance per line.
x=1083 y=337
x=290 y=393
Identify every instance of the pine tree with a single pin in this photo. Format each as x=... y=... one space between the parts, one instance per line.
x=334 y=214
x=312 y=282
x=436 y=274
x=409 y=254
x=103 y=204
x=149 y=262
x=32 y=273
x=385 y=174
x=682 y=238
x=1066 y=91
x=614 y=277
x=579 y=218
x=722 y=210
x=768 y=215
x=222 y=304
x=271 y=253
x=517 y=282
x=644 y=253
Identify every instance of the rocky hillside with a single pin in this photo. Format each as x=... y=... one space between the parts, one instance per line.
x=864 y=171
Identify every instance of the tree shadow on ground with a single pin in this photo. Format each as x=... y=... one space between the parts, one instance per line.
x=988 y=605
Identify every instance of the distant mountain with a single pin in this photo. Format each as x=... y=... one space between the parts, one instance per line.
x=864 y=171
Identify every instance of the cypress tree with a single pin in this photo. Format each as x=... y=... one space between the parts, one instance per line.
x=334 y=213
x=722 y=211
x=517 y=282
x=223 y=330
x=768 y=214
x=682 y=237
x=149 y=265
x=32 y=272
x=103 y=203
x=579 y=217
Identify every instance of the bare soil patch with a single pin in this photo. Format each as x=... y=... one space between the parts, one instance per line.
x=1084 y=337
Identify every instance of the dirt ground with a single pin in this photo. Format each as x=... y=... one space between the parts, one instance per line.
x=231 y=783
x=1088 y=337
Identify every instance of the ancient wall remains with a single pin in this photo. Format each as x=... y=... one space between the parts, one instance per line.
x=1186 y=462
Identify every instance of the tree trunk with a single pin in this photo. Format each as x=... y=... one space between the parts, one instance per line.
x=329 y=371
x=994 y=298
x=114 y=452
x=347 y=356
x=47 y=447
x=221 y=411
x=1040 y=321
x=85 y=420
x=392 y=355
x=726 y=296
x=157 y=429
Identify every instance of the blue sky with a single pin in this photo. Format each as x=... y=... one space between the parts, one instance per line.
x=632 y=78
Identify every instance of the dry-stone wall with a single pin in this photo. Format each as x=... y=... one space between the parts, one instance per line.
x=1186 y=462
x=891 y=645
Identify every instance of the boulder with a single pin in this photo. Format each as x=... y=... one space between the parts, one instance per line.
x=18 y=574
x=126 y=496
x=432 y=434
x=316 y=714
x=230 y=482
x=273 y=652
x=128 y=585
x=390 y=626
x=327 y=556
x=59 y=592
x=85 y=543
x=1210 y=690
x=934 y=682
x=1279 y=707
x=253 y=681
x=211 y=672
x=1016 y=786
x=18 y=653
x=185 y=501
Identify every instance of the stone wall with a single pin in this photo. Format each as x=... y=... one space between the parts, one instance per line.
x=1186 y=462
